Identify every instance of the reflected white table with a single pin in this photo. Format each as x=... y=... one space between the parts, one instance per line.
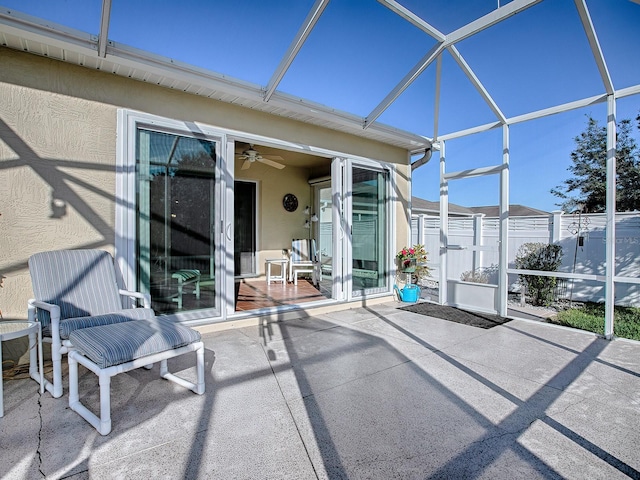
x=11 y=329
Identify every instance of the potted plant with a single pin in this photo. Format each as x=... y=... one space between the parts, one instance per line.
x=413 y=260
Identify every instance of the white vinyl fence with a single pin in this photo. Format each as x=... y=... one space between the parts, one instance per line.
x=582 y=238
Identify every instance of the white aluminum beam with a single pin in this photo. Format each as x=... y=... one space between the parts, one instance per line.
x=587 y=24
x=475 y=172
x=610 y=268
x=470 y=131
x=413 y=19
x=436 y=102
x=625 y=92
x=103 y=36
x=565 y=107
x=488 y=20
x=541 y=113
x=476 y=83
x=297 y=43
x=404 y=83
x=546 y=273
x=631 y=280
x=501 y=13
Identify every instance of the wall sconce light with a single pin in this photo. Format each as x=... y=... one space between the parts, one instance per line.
x=306 y=211
x=314 y=218
x=307 y=224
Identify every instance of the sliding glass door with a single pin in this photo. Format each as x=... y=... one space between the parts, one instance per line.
x=175 y=221
x=361 y=227
x=369 y=230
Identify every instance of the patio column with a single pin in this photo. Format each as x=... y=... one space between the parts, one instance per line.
x=611 y=218
x=504 y=224
x=444 y=227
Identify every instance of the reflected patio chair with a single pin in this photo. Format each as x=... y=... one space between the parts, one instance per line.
x=76 y=289
x=304 y=258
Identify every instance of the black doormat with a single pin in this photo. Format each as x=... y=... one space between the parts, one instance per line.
x=481 y=320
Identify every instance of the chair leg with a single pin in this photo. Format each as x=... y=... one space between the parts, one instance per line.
x=102 y=423
x=74 y=396
x=56 y=359
x=180 y=294
x=200 y=370
x=197 y=387
x=105 y=404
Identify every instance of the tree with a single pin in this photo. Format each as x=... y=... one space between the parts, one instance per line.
x=589 y=169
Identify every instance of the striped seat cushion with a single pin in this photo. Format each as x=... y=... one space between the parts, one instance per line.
x=110 y=345
x=70 y=324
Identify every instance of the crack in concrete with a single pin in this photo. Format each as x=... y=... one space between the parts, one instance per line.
x=562 y=411
x=38 y=452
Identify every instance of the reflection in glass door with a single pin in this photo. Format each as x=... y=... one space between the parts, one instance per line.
x=175 y=220
x=368 y=229
x=324 y=234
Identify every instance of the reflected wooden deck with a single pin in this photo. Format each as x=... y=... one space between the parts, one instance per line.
x=254 y=294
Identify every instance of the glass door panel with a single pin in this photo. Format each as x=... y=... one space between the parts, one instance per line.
x=368 y=229
x=175 y=220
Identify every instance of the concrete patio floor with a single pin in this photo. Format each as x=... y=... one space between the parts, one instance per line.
x=372 y=392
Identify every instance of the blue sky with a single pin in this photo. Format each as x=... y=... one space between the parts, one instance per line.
x=360 y=50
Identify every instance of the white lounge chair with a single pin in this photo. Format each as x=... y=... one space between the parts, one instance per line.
x=75 y=289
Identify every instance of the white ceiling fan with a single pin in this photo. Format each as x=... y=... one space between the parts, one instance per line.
x=251 y=155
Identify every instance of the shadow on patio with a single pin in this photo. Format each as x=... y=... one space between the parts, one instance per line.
x=373 y=392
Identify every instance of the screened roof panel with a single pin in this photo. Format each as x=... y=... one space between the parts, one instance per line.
x=81 y=15
x=461 y=106
x=413 y=110
x=245 y=40
x=355 y=56
x=352 y=70
x=528 y=71
x=449 y=15
x=617 y=23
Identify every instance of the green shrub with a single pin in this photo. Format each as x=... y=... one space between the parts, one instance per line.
x=544 y=257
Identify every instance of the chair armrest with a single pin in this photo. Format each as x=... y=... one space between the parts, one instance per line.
x=145 y=297
x=54 y=310
x=54 y=315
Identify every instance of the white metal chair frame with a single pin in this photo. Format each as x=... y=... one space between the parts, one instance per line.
x=304 y=258
x=102 y=423
x=61 y=347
